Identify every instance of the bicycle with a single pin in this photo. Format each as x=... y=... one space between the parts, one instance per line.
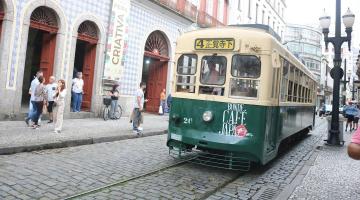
x=107 y=107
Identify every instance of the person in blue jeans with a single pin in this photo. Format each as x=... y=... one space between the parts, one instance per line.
x=77 y=92
x=32 y=107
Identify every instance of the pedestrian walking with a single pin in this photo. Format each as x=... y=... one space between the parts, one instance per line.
x=356 y=118
x=77 y=92
x=32 y=108
x=138 y=108
x=350 y=113
x=60 y=105
x=50 y=93
x=114 y=94
x=162 y=102
x=40 y=99
x=168 y=101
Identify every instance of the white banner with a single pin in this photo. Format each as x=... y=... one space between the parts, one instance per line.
x=117 y=36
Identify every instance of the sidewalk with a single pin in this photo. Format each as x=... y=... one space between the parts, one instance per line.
x=331 y=175
x=16 y=137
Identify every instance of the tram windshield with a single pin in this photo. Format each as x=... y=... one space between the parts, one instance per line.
x=246 y=70
x=213 y=70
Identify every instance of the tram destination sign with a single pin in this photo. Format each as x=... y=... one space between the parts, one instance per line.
x=214 y=43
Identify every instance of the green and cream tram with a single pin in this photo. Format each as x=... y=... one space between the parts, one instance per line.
x=237 y=94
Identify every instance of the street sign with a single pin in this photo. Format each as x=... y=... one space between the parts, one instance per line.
x=332 y=73
x=214 y=44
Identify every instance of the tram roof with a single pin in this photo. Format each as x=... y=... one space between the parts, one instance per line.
x=265 y=37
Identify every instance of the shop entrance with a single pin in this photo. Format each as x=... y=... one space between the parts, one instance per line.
x=41 y=46
x=85 y=57
x=155 y=68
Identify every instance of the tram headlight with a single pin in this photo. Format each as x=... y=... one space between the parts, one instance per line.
x=208 y=116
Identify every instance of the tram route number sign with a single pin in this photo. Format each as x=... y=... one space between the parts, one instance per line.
x=214 y=44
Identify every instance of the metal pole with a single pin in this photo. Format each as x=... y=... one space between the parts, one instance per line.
x=353 y=89
x=334 y=138
x=344 y=88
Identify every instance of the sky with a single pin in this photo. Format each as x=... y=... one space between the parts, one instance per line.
x=307 y=12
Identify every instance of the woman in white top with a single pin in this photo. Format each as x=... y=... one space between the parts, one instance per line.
x=77 y=92
x=60 y=106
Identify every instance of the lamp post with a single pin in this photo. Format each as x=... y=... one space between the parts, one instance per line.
x=344 y=82
x=336 y=72
x=353 y=90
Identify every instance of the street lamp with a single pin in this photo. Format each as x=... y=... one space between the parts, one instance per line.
x=336 y=72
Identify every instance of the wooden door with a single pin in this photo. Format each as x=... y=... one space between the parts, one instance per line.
x=156 y=83
x=48 y=54
x=88 y=75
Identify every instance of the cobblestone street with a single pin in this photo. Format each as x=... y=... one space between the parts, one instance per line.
x=60 y=173
x=53 y=174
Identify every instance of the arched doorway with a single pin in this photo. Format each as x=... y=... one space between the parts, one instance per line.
x=156 y=57
x=85 y=57
x=41 y=46
x=2 y=14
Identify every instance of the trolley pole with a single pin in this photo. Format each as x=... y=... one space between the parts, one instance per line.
x=337 y=72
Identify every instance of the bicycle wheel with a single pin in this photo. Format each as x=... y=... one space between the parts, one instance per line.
x=106 y=113
x=118 y=112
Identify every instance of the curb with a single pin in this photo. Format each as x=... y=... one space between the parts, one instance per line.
x=299 y=175
x=73 y=143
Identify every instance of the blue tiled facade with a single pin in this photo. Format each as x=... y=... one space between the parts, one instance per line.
x=144 y=18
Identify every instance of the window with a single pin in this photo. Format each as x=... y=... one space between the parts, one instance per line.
x=244 y=88
x=186 y=69
x=246 y=70
x=263 y=17
x=268 y=21
x=285 y=79
x=290 y=88
x=256 y=13
x=220 y=12
x=187 y=64
x=249 y=10
x=213 y=70
x=245 y=66
x=209 y=7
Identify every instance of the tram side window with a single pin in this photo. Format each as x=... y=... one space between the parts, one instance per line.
x=290 y=87
x=246 y=69
x=186 y=69
x=213 y=72
x=285 y=79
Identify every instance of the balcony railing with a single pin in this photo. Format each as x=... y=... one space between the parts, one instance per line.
x=206 y=20
x=190 y=11
x=183 y=7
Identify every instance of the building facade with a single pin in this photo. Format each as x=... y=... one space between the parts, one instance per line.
x=348 y=64
x=109 y=41
x=267 y=12
x=305 y=43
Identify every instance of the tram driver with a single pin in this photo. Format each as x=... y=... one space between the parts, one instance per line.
x=212 y=76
